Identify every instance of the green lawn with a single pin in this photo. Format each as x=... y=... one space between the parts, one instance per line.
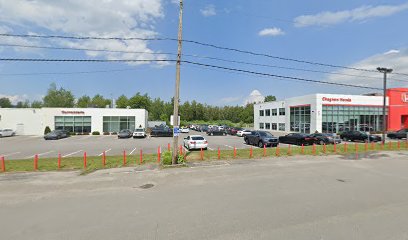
x=95 y=163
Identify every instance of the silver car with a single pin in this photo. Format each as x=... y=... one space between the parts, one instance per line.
x=139 y=133
x=7 y=133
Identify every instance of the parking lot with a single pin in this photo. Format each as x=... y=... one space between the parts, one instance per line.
x=25 y=147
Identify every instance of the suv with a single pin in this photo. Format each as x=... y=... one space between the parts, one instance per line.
x=139 y=133
x=359 y=136
x=261 y=139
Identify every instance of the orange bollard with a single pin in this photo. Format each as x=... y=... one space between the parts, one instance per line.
x=168 y=146
x=124 y=157
x=382 y=145
x=289 y=150
x=303 y=149
x=372 y=146
x=277 y=151
x=3 y=164
x=202 y=154
x=235 y=152
x=399 y=145
x=324 y=148
x=36 y=162
x=314 y=149
x=250 y=153
x=59 y=160
x=356 y=147
x=366 y=146
x=158 y=155
x=219 y=153
x=181 y=150
x=389 y=145
x=335 y=147
x=85 y=164
x=141 y=156
x=406 y=143
x=103 y=159
x=345 y=147
x=264 y=150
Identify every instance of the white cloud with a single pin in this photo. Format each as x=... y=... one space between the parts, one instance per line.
x=395 y=59
x=106 y=18
x=208 y=11
x=254 y=97
x=271 y=32
x=358 y=14
x=14 y=99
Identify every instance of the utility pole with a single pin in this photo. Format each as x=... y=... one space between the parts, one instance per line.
x=384 y=125
x=177 y=91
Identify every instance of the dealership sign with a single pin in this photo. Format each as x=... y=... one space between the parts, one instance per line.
x=336 y=100
x=72 y=112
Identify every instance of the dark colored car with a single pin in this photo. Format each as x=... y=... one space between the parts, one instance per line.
x=215 y=131
x=162 y=131
x=233 y=131
x=326 y=138
x=203 y=128
x=359 y=136
x=398 y=134
x=55 y=135
x=261 y=139
x=125 y=133
x=298 y=139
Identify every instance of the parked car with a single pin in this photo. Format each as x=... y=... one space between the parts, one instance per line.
x=243 y=132
x=233 y=131
x=162 y=131
x=402 y=133
x=216 y=131
x=184 y=130
x=326 y=138
x=203 y=128
x=195 y=142
x=298 y=139
x=55 y=135
x=7 y=133
x=125 y=133
x=261 y=139
x=139 y=133
x=359 y=136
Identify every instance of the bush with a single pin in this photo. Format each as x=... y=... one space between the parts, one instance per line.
x=96 y=133
x=106 y=133
x=72 y=134
x=167 y=158
x=47 y=130
x=114 y=133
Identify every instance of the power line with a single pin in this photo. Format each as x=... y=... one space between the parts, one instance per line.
x=67 y=73
x=196 y=56
x=83 y=60
x=197 y=43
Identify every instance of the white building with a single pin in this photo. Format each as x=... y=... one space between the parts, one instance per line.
x=33 y=121
x=328 y=113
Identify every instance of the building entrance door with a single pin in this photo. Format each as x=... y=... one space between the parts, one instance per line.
x=404 y=121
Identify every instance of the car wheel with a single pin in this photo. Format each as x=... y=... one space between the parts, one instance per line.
x=260 y=144
x=246 y=141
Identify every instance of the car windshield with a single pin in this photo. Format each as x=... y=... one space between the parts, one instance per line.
x=197 y=138
x=265 y=134
x=123 y=131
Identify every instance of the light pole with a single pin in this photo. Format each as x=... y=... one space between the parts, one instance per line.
x=177 y=90
x=384 y=126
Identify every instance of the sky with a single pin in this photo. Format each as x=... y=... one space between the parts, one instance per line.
x=351 y=33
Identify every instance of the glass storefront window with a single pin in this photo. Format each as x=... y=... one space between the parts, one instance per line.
x=115 y=123
x=300 y=119
x=77 y=124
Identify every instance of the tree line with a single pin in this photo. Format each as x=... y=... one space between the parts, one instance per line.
x=158 y=108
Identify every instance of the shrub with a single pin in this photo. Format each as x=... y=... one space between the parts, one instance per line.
x=167 y=158
x=106 y=133
x=96 y=133
x=47 y=130
x=114 y=133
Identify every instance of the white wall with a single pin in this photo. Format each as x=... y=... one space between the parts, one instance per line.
x=35 y=120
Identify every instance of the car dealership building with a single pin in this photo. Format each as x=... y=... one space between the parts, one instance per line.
x=33 y=121
x=333 y=113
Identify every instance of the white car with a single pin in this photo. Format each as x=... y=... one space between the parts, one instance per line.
x=139 y=133
x=184 y=130
x=243 y=132
x=195 y=142
x=7 y=133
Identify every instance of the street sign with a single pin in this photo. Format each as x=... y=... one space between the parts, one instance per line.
x=172 y=122
x=176 y=131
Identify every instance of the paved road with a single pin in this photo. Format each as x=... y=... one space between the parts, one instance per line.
x=288 y=198
x=25 y=147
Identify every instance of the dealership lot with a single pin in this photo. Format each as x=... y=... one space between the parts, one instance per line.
x=25 y=147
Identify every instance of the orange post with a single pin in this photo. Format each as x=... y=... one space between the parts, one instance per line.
x=324 y=148
x=168 y=146
x=345 y=147
x=314 y=149
x=289 y=150
x=59 y=160
x=335 y=147
x=356 y=147
x=36 y=162
x=235 y=152
x=219 y=153
x=372 y=146
x=181 y=150
x=382 y=145
x=85 y=164
x=390 y=145
x=202 y=154
x=124 y=157
x=264 y=150
x=141 y=156
x=366 y=146
x=277 y=151
x=250 y=153
x=406 y=143
x=303 y=149
x=103 y=159
x=158 y=155
x=3 y=164
x=399 y=145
